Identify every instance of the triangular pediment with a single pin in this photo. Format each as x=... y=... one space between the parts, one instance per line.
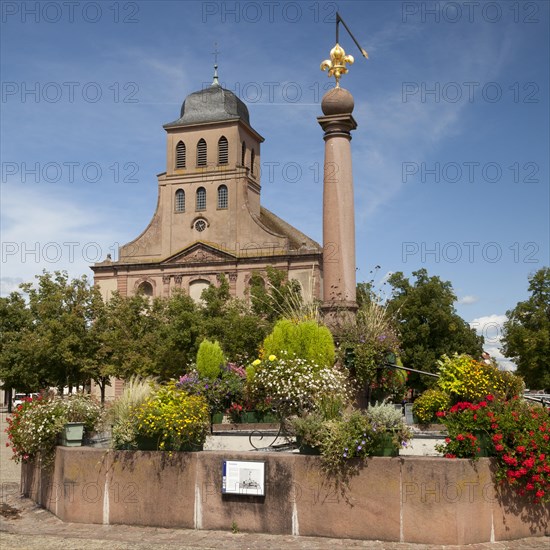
x=200 y=253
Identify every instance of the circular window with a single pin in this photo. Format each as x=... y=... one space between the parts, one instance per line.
x=200 y=225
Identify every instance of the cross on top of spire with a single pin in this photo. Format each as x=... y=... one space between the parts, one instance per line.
x=215 y=53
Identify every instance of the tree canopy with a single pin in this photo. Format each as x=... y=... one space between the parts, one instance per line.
x=428 y=323
x=60 y=332
x=526 y=334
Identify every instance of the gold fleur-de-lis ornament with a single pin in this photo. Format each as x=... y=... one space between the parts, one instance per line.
x=336 y=65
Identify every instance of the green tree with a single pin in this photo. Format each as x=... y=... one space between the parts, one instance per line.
x=526 y=334
x=61 y=312
x=275 y=295
x=428 y=323
x=15 y=325
x=231 y=322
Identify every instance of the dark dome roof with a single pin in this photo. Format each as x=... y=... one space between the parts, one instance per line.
x=212 y=104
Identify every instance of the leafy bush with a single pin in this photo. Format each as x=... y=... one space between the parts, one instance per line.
x=465 y=379
x=176 y=419
x=220 y=392
x=124 y=430
x=387 y=418
x=35 y=424
x=366 y=343
x=210 y=359
x=349 y=437
x=293 y=385
x=515 y=432
x=306 y=340
x=429 y=404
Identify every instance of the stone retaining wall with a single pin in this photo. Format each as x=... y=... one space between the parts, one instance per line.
x=409 y=499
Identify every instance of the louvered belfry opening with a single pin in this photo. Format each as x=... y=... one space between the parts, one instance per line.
x=201 y=153
x=223 y=151
x=243 y=154
x=180 y=155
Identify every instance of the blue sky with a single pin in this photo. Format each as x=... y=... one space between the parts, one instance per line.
x=450 y=155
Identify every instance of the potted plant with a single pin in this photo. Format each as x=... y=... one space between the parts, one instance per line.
x=515 y=433
x=292 y=385
x=37 y=424
x=82 y=414
x=389 y=426
x=172 y=420
x=124 y=429
x=310 y=430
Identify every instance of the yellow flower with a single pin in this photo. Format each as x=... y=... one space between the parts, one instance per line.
x=256 y=363
x=272 y=358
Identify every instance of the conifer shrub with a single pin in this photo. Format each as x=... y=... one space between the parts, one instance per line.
x=210 y=359
x=305 y=340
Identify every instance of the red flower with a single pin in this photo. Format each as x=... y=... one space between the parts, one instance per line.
x=450 y=455
x=440 y=414
x=490 y=398
x=460 y=437
x=520 y=449
x=494 y=426
x=497 y=437
x=499 y=448
x=542 y=456
x=539 y=493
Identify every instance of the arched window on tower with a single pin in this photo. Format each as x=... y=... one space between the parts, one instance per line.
x=252 y=159
x=201 y=199
x=223 y=198
x=180 y=155
x=223 y=150
x=180 y=201
x=243 y=154
x=201 y=153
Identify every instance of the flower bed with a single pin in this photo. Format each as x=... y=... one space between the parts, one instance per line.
x=36 y=424
x=515 y=432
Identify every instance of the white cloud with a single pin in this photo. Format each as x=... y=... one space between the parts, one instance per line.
x=468 y=300
x=491 y=328
x=53 y=233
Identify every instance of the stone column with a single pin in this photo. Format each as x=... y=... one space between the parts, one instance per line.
x=339 y=279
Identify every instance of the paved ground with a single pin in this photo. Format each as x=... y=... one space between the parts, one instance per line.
x=23 y=525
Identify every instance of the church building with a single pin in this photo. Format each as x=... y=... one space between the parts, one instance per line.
x=209 y=220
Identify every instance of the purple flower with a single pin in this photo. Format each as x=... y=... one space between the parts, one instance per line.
x=345 y=455
x=359 y=448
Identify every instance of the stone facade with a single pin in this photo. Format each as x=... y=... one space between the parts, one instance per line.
x=209 y=220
